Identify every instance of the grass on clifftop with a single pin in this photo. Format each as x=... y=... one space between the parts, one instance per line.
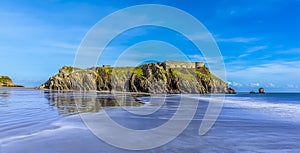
x=186 y=74
x=108 y=70
x=5 y=79
x=138 y=71
x=191 y=74
x=121 y=71
x=69 y=68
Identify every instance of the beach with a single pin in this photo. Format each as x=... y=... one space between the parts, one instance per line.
x=34 y=121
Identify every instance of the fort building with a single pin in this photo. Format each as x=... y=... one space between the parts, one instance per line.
x=180 y=64
x=106 y=66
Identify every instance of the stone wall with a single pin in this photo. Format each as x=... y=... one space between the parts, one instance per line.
x=199 y=64
x=180 y=64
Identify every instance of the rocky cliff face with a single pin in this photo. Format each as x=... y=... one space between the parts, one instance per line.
x=5 y=81
x=149 y=78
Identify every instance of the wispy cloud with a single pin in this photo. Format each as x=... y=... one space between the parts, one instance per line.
x=201 y=36
x=276 y=67
x=272 y=85
x=243 y=55
x=235 y=84
x=254 y=85
x=210 y=60
x=237 y=39
x=277 y=72
x=63 y=45
x=292 y=86
x=196 y=57
x=256 y=48
x=251 y=50
x=290 y=51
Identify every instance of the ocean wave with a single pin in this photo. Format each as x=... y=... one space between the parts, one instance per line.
x=284 y=109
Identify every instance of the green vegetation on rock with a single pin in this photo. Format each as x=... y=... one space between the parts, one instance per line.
x=121 y=71
x=108 y=70
x=183 y=73
x=5 y=81
x=69 y=68
x=150 y=78
x=138 y=71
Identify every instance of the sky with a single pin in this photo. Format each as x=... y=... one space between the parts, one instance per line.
x=259 y=40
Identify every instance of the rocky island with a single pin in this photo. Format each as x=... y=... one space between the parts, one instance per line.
x=260 y=91
x=170 y=77
x=5 y=81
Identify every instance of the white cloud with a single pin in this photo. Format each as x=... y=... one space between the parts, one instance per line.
x=63 y=45
x=237 y=39
x=254 y=84
x=196 y=57
x=292 y=86
x=235 y=84
x=243 y=55
x=201 y=36
x=210 y=60
x=290 y=51
x=272 y=85
x=256 y=48
x=251 y=50
x=279 y=73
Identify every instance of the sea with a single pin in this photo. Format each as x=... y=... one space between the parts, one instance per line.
x=38 y=121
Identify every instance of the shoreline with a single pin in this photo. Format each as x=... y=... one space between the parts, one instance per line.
x=143 y=93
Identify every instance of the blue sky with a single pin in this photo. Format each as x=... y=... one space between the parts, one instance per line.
x=259 y=40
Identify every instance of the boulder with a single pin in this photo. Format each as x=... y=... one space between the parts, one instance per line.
x=261 y=90
x=231 y=91
x=252 y=92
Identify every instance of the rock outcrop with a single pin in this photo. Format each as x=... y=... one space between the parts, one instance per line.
x=231 y=91
x=252 y=92
x=261 y=90
x=5 y=81
x=147 y=78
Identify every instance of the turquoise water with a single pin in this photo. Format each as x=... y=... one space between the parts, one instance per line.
x=34 y=121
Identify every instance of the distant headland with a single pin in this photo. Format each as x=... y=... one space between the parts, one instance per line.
x=170 y=77
x=6 y=81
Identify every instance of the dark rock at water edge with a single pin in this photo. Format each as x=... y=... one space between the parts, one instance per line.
x=147 y=78
x=231 y=91
x=252 y=92
x=261 y=90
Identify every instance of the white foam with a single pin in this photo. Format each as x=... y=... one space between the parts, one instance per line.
x=283 y=110
x=71 y=122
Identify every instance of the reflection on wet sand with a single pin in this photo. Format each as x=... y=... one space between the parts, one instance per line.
x=4 y=98
x=4 y=93
x=70 y=103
